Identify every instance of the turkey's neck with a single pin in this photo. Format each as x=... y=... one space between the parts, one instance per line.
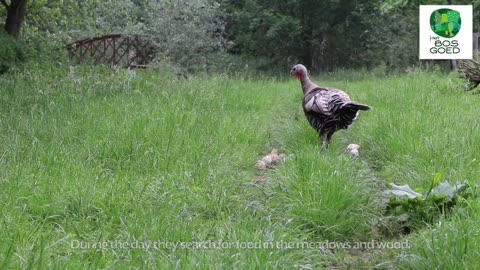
x=307 y=85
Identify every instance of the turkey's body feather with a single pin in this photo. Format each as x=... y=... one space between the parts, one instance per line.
x=329 y=109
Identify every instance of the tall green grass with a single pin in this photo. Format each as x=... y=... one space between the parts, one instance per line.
x=90 y=155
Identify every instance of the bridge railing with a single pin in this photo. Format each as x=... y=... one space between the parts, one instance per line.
x=114 y=50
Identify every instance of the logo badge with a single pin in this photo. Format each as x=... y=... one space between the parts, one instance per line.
x=445 y=22
x=446 y=31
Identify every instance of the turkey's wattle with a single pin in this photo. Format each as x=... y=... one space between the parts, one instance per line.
x=327 y=109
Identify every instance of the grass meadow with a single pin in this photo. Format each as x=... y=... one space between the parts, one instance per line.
x=123 y=169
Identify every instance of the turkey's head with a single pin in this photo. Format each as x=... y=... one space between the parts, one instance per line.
x=299 y=71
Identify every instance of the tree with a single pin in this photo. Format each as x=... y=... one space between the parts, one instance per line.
x=329 y=34
x=184 y=33
x=15 y=15
x=322 y=35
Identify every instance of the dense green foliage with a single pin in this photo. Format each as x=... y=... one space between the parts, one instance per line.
x=185 y=34
x=326 y=35
x=13 y=52
x=90 y=155
x=191 y=35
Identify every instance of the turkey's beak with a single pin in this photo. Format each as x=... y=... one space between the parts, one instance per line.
x=292 y=73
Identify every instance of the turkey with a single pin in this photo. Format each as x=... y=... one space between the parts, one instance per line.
x=327 y=109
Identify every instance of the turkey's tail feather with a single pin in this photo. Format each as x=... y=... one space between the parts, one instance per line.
x=357 y=106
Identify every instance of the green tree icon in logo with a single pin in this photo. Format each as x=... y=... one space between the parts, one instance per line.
x=445 y=22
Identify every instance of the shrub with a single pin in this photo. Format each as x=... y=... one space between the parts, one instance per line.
x=12 y=52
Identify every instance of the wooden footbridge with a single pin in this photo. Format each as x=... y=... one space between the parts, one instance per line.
x=115 y=50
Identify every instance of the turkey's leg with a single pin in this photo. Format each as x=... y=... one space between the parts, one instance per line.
x=329 y=136
x=324 y=141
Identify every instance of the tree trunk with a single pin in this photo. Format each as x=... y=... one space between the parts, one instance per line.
x=15 y=14
x=453 y=62
x=476 y=42
x=307 y=58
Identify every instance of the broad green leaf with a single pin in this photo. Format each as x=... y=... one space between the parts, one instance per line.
x=445 y=188
x=401 y=191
